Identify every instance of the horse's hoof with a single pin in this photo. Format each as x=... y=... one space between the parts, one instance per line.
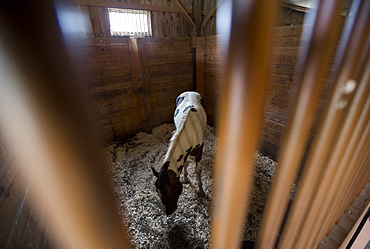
x=185 y=181
x=201 y=193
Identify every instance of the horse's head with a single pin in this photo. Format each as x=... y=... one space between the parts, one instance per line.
x=168 y=187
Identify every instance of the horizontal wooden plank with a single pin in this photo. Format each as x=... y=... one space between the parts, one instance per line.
x=168 y=96
x=126 y=66
x=281 y=79
x=119 y=4
x=288 y=30
x=168 y=46
x=277 y=115
x=101 y=49
x=158 y=89
x=157 y=71
x=98 y=80
x=102 y=41
x=107 y=72
x=113 y=86
x=108 y=102
x=282 y=69
x=211 y=97
x=156 y=58
x=100 y=58
x=161 y=6
x=286 y=41
x=167 y=40
x=171 y=79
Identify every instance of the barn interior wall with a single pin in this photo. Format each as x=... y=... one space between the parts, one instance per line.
x=132 y=80
x=281 y=88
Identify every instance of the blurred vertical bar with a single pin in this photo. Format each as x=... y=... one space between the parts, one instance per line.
x=45 y=122
x=349 y=138
x=315 y=57
x=249 y=47
x=347 y=61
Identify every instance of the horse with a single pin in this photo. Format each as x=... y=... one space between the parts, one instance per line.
x=190 y=121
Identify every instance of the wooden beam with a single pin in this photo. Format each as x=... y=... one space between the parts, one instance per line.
x=197 y=15
x=296 y=7
x=185 y=14
x=102 y=3
x=109 y=4
x=284 y=16
x=200 y=65
x=138 y=82
x=209 y=15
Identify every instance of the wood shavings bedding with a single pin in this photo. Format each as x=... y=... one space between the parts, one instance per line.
x=189 y=226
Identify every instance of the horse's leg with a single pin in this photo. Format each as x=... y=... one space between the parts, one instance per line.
x=186 y=180
x=198 y=169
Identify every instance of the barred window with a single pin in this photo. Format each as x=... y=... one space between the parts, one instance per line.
x=127 y=22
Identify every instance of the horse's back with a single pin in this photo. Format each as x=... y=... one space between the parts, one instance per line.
x=190 y=104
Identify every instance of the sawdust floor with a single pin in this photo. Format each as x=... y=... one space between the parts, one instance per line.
x=189 y=226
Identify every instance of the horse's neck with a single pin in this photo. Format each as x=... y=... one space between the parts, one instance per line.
x=173 y=153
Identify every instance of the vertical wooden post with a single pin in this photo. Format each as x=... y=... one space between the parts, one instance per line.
x=139 y=87
x=200 y=65
x=197 y=16
x=144 y=86
x=101 y=21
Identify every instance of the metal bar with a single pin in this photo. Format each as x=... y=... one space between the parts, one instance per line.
x=334 y=115
x=354 y=187
x=346 y=197
x=244 y=94
x=316 y=57
x=345 y=148
x=348 y=54
x=338 y=164
x=46 y=123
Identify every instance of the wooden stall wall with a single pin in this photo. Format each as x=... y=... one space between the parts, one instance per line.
x=134 y=82
x=213 y=73
x=280 y=90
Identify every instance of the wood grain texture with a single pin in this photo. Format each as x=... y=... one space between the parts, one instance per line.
x=133 y=81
